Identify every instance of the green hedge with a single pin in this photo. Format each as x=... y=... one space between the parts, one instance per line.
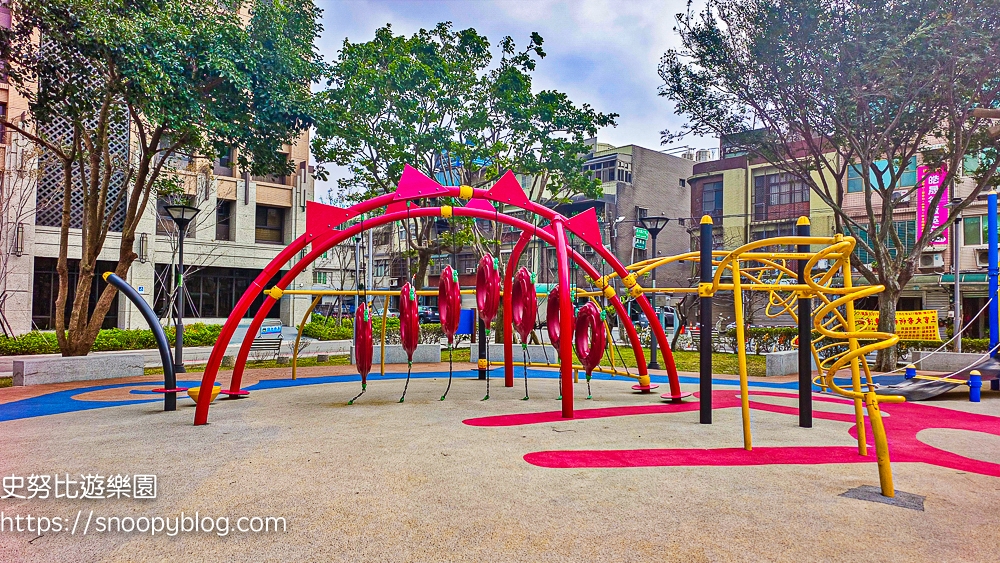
x=322 y=329
x=112 y=339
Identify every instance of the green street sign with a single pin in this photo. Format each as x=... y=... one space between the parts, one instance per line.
x=639 y=243
x=641 y=233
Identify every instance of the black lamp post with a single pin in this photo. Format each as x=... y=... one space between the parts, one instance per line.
x=654 y=224
x=182 y=216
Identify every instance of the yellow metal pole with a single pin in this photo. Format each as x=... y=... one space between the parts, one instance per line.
x=385 y=315
x=302 y=325
x=881 y=445
x=741 y=354
x=855 y=366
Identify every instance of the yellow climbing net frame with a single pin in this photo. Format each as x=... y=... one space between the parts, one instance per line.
x=758 y=267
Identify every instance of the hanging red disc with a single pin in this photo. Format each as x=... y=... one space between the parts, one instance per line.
x=552 y=317
x=449 y=302
x=409 y=320
x=363 y=341
x=591 y=336
x=487 y=289
x=524 y=305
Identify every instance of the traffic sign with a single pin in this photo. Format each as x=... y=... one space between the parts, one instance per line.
x=641 y=233
x=639 y=243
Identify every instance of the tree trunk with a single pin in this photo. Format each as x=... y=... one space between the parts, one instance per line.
x=423 y=261
x=885 y=360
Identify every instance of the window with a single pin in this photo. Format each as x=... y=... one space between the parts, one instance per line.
x=3 y=115
x=223 y=166
x=319 y=277
x=907 y=232
x=212 y=292
x=223 y=215
x=274 y=178
x=682 y=182
x=270 y=225
x=971 y=163
x=711 y=199
x=779 y=196
x=641 y=212
x=380 y=268
x=907 y=179
x=974 y=231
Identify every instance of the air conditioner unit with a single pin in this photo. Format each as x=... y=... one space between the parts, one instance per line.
x=932 y=260
x=983 y=257
x=470 y=270
x=394 y=282
x=823 y=264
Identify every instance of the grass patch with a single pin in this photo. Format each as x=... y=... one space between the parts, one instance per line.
x=6 y=381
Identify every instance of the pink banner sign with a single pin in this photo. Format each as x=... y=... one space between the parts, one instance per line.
x=929 y=182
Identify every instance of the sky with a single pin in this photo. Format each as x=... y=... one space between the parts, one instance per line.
x=601 y=52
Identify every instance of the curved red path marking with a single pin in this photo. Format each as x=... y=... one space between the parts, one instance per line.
x=904 y=422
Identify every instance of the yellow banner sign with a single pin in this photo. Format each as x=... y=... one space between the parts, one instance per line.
x=910 y=325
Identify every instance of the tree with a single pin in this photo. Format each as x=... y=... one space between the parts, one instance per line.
x=183 y=76
x=815 y=88
x=433 y=101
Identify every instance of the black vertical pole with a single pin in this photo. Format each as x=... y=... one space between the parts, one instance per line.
x=705 y=346
x=482 y=349
x=653 y=364
x=179 y=324
x=805 y=336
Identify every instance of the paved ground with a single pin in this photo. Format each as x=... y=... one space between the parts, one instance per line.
x=461 y=480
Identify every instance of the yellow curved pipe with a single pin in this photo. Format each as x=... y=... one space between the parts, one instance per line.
x=302 y=326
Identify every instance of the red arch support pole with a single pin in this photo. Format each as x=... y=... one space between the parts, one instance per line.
x=565 y=320
x=508 y=304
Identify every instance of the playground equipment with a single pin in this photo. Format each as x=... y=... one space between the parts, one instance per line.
x=752 y=267
x=170 y=388
x=487 y=301
x=328 y=225
x=525 y=311
x=449 y=309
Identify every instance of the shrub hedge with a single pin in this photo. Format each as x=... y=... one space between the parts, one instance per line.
x=112 y=339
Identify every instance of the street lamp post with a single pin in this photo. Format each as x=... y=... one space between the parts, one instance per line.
x=956 y=272
x=182 y=216
x=654 y=224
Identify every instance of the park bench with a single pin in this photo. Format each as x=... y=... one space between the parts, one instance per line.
x=265 y=346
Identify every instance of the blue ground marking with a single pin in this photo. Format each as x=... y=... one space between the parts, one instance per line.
x=61 y=402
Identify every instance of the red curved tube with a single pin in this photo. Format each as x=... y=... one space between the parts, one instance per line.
x=449 y=302
x=565 y=319
x=363 y=344
x=524 y=304
x=508 y=320
x=487 y=289
x=409 y=320
x=591 y=336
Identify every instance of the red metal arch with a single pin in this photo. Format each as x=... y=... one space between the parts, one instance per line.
x=321 y=233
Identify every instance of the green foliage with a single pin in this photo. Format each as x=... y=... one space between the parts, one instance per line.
x=186 y=78
x=111 y=339
x=440 y=102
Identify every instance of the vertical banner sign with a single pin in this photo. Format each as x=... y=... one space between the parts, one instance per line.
x=929 y=182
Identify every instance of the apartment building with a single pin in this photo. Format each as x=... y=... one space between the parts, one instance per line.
x=245 y=221
x=750 y=200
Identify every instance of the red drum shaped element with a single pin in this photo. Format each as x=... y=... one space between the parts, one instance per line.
x=487 y=289
x=591 y=337
x=363 y=340
x=409 y=320
x=449 y=302
x=524 y=305
x=552 y=317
